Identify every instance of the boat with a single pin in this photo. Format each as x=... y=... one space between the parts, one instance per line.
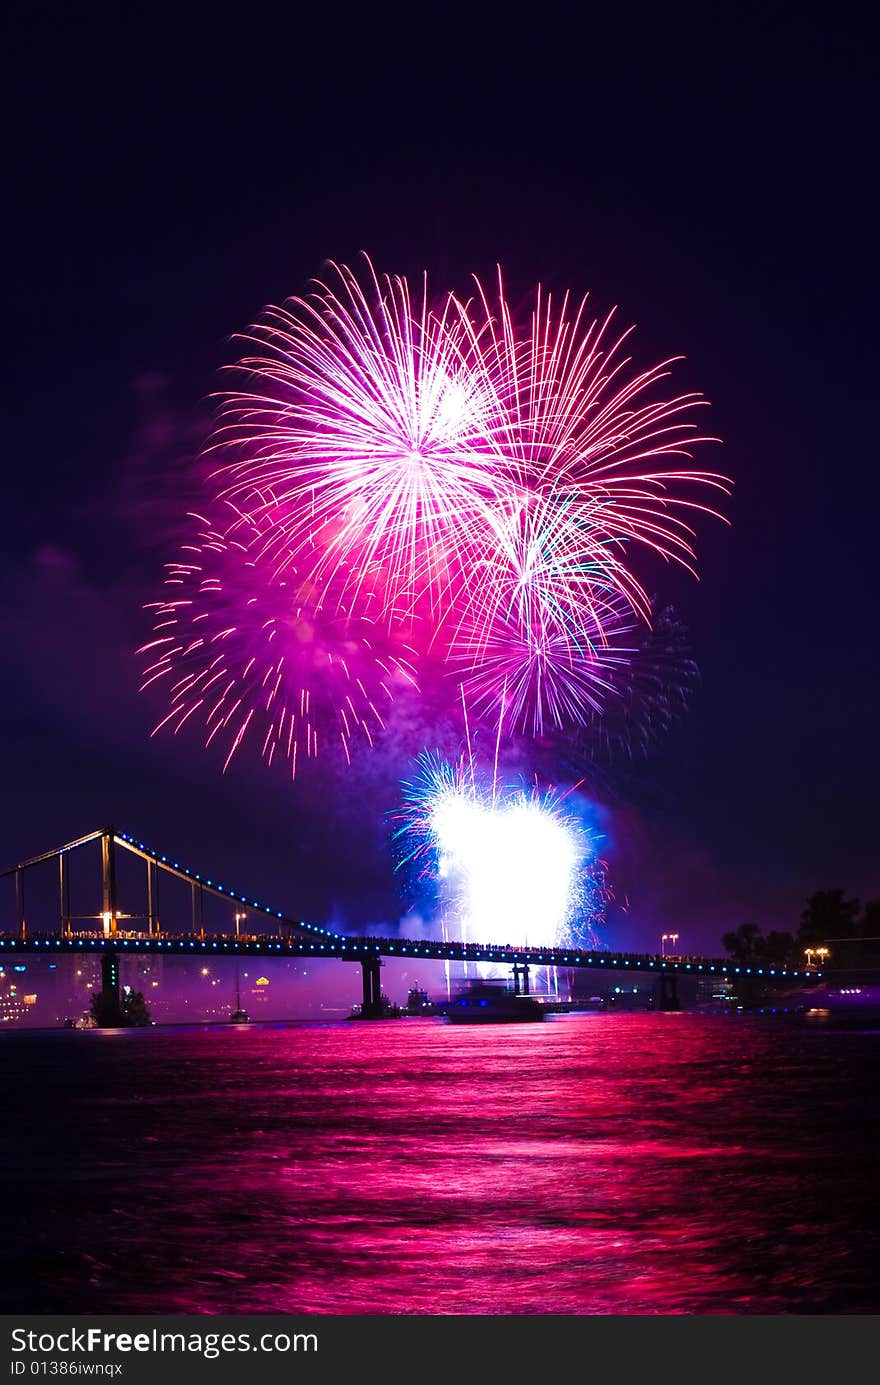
x=589 y=1002
x=487 y=1002
x=387 y=1011
x=238 y=1016
x=417 y=1003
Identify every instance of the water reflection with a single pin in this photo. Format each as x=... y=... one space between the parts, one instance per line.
x=630 y=1163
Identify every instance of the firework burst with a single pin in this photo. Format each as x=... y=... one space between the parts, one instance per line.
x=405 y=486
x=250 y=652
x=361 y=430
x=575 y=424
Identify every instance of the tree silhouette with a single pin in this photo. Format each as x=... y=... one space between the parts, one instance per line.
x=136 y=1012
x=777 y=949
x=129 y=1012
x=828 y=915
x=748 y=946
x=869 y=923
x=742 y=944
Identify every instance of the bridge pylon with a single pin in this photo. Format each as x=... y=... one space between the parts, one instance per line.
x=20 y=921
x=521 y=969
x=110 y=979
x=110 y=903
x=63 y=897
x=371 y=1006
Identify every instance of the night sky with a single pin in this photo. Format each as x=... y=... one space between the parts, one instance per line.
x=712 y=174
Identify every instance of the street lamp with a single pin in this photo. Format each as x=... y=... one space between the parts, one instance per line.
x=667 y=938
x=822 y=953
x=240 y=917
x=809 y=953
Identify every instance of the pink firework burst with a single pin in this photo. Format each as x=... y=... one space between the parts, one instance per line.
x=249 y=649
x=407 y=484
x=359 y=427
x=543 y=622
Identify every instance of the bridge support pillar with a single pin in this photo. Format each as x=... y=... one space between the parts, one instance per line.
x=110 y=982
x=668 y=991
x=371 y=1006
x=520 y=969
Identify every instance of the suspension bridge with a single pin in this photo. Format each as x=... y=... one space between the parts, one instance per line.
x=113 y=932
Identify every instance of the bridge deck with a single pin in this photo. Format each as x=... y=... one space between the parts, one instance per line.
x=357 y=949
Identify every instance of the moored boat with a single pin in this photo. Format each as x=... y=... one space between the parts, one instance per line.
x=487 y=1002
x=238 y=1016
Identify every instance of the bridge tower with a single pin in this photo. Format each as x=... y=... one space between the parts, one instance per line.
x=20 y=921
x=110 y=908
x=63 y=896
x=152 y=898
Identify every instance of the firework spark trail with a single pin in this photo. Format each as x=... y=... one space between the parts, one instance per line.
x=412 y=486
x=542 y=620
x=571 y=418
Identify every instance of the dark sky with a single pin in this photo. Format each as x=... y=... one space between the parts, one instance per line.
x=712 y=173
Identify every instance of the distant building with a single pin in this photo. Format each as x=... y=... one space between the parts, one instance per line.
x=713 y=988
x=12 y=1001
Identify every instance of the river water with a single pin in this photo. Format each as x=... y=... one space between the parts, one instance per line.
x=596 y=1163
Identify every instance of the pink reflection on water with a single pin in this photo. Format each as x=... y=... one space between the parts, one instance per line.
x=594 y=1164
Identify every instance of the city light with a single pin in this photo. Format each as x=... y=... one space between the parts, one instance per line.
x=812 y=953
x=667 y=938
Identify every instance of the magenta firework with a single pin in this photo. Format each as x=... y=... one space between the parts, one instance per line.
x=247 y=648
x=404 y=484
